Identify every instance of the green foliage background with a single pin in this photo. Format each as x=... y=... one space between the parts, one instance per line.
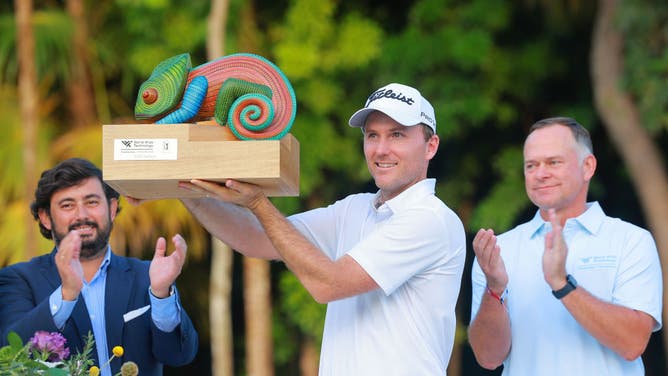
x=490 y=68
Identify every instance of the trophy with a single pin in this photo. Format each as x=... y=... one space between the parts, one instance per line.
x=226 y=119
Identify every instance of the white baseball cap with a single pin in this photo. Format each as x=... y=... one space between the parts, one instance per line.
x=402 y=103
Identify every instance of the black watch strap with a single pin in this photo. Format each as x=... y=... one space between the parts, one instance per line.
x=571 y=284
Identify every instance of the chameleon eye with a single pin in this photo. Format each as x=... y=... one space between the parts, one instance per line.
x=150 y=95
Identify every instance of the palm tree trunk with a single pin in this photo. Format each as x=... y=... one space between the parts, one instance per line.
x=220 y=292
x=622 y=120
x=257 y=276
x=215 y=37
x=29 y=111
x=257 y=307
x=220 y=312
x=309 y=357
x=81 y=96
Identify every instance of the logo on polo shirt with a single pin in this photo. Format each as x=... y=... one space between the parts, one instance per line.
x=597 y=262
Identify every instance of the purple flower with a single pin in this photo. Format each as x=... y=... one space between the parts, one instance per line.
x=52 y=344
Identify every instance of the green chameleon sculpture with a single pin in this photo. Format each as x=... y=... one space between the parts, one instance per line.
x=245 y=92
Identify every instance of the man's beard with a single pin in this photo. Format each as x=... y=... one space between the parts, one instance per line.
x=90 y=247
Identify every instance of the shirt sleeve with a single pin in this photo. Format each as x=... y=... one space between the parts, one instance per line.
x=639 y=282
x=166 y=313
x=319 y=227
x=60 y=309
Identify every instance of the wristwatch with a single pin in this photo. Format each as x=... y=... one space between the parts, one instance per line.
x=171 y=292
x=571 y=284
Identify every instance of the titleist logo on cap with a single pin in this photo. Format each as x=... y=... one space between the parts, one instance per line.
x=388 y=93
x=402 y=103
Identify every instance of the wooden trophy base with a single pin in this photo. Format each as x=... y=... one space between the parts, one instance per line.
x=147 y=161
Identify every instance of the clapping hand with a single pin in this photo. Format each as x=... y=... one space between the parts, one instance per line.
x=554 y=255
x=69 y=266
x=164 y=269
x=488 y=253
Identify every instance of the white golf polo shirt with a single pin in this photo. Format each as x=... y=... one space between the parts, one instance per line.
x=414 y=247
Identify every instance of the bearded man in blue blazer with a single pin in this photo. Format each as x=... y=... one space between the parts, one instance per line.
x=82 y=287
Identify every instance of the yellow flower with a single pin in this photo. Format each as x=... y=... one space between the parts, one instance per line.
x=129 y=369
x=94 y=371
x=118 y=351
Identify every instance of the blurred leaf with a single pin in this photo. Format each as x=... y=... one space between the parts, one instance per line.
x=357 y=44
x=52 y=31
x=645 y=27
x=302 y=310
x=506 y=199
x=13 y=233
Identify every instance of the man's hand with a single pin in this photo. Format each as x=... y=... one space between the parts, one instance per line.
x=554 y=255
x=134 y=201
x=242 y=194
x=164 y=269
x=490 y=261
x=68 y=265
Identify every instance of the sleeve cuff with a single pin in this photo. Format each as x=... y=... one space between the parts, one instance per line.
x=60 y=309
x=166 y=313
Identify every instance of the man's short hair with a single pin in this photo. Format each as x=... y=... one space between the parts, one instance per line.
x=580 y=133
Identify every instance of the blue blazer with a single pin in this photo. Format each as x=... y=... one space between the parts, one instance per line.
x=24 y=308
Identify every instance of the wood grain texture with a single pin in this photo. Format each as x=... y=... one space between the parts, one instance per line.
x=205 y=151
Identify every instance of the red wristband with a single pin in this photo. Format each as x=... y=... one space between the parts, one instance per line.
x=501 y=298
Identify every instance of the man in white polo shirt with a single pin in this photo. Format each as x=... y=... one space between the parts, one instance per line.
x=388 y=264
x=573 y=291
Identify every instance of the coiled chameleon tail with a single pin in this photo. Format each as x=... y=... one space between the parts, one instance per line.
x=245 y=92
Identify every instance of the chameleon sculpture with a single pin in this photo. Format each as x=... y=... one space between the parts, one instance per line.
x=245 y=92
